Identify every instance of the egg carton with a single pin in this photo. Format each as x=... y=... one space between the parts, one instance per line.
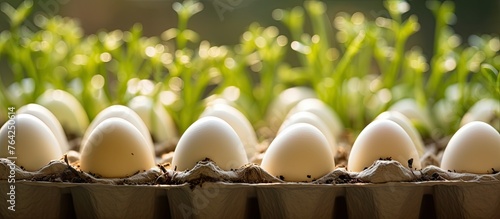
x=384 y=190
x=271 y=200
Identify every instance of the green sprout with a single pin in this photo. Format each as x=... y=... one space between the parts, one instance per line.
x=492 y=79
x=359 y=69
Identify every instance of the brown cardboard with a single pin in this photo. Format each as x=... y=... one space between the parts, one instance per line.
x=299 y=200
x=38 y=199
x=249 y=192
x=213 y=200
x=238 y=200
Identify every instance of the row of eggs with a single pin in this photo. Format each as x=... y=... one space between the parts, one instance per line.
x=117 y=143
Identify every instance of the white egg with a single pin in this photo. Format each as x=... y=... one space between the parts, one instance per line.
x=34 y=144
x=67 y=109
x=416 y=114
x=299 y=153
x=116 y=149
x=119 y=111
x=50 y=120
x=284 y=102
x=238 y=122
x=213 y=138
x=406 y=124
x=474 y=148
x=324 y=112
x=312 y=119
x=382 y=139
x=485 y=110
x=155 y=116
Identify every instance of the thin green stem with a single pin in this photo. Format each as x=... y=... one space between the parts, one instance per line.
x=443 y=14
x=339 y=79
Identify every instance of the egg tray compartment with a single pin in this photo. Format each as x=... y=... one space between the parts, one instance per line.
x=389 y=195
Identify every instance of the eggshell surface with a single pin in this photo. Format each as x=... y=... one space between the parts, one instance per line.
x=284 y=102
x=323 y=111
x=119 y=111
x=382 y=139
x=116 y=149
x=312 y=119
x=299 y=153
x=67 y=109
x=35 y=145
x=474 y=148
x=416 y=114
x=406 y=124
x=485 y=110
x=156 y=118
x=238 y=122
x=213 y=138
x=49 y=119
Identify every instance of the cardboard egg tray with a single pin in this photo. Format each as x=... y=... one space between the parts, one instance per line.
x=449 y=195
x=270 y=200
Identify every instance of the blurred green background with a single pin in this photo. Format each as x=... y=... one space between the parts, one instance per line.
x=223 y=21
